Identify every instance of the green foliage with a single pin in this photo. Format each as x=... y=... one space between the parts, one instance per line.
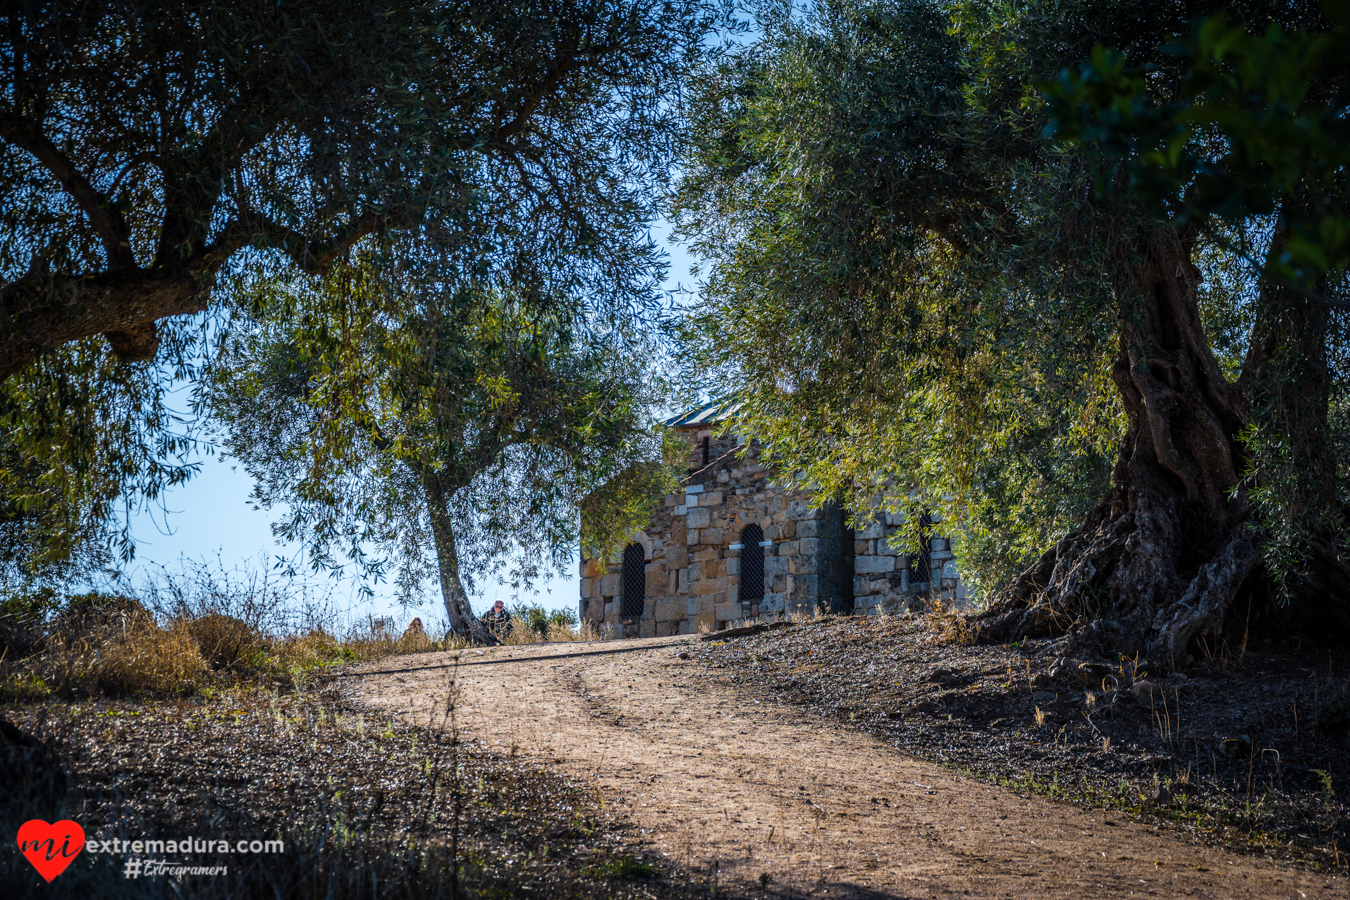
x=1258 y=127
x=622 y=504
x=901 y=278
x=540 y=620
x=917 y=287
x=455 y=439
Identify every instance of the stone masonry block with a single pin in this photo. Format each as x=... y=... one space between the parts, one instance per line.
x=611 y=584
x=647 y=628
x=772 y=603
x=861 y=585
x=808 y=546
x=709 y=570
x=711 y=535
x=775 y=565
x=869 y=565
x=698 y=517
x=803 y=565
x=805 y=587
x=693 y=606
x=800 y=509
x=733 y=566
x=810 y=528
x=875 y=529
x=703 y=588
x=668 y=609
x=728 y=611
x=787 y=548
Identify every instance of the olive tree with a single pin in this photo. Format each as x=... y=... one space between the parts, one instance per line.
x=917 y=280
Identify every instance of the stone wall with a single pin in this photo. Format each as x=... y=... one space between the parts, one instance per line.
x=812 y=560
x=883 y=574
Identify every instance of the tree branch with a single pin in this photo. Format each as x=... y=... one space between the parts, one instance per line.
x=38 y=313
x=107 y=220
x=312 y=256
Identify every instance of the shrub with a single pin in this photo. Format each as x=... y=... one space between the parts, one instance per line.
x=541 y=620
x=96 y=615
x=23 y=619
x=150 y=659
x=223 y=640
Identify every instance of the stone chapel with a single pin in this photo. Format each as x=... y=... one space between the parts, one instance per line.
x=736 y=546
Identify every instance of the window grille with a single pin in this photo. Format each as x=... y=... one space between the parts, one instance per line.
x=634 y=581
x=752 y=565
x=923 y=563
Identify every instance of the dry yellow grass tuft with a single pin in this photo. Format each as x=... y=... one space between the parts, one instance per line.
x=150 y=659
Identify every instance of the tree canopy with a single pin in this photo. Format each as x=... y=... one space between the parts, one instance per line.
x=454 y=444
x=155 y=158
x=914 y=281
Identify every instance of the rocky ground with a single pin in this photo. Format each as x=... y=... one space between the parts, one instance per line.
x=1249 y=749
x=367 y=805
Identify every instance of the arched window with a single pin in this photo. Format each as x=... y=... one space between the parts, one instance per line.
x=634 y=581
x=752 y=565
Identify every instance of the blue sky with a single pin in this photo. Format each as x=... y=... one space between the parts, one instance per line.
x=209 y=519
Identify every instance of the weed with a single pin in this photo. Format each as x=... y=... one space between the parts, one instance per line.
x=623 y=868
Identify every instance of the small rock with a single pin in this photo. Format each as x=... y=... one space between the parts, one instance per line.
x=1094 y=673
x=939 y=676
x=1146 y=693
x=1042 y=680
x=684 y=656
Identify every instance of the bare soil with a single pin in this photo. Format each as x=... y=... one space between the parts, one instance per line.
x=753 y=794
x=367 y=805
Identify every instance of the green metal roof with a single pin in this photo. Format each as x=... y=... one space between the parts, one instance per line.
x=707 y=414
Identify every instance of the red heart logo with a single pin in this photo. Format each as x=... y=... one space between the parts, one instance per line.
x=50 y=848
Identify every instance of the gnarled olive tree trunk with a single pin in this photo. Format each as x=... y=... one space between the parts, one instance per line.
x=1159 y=561
x=462 y=620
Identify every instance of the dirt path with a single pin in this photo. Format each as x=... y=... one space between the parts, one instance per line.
x=763 y=789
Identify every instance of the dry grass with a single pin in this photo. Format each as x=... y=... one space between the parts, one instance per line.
x=151 y=659
x=522 y=632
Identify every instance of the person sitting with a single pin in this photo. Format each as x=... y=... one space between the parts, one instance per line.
x=497 y=619
x=414 y=628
